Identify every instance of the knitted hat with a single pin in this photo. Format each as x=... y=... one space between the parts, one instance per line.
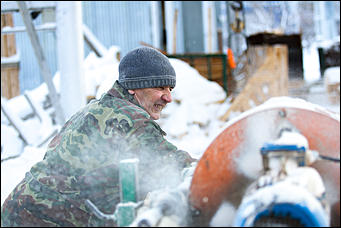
x=145 y=67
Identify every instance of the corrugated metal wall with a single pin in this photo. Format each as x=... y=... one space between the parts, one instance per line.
x=29 y=75
x=121 y=23
x=193 y=26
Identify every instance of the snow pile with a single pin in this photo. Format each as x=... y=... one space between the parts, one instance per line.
x=11 y=144
x=101 y=72
x=34 y=123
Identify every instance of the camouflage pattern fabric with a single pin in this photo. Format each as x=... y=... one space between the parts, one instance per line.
x=82 y=161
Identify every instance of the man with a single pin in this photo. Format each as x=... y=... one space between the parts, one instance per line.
x=82 y=160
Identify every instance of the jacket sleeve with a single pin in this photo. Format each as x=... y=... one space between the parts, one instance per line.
x=150 y=138
x=160 y=162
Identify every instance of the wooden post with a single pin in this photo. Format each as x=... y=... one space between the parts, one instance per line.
x=209 y=30
x=70 y=52
x=9 y=71
x=174 y=30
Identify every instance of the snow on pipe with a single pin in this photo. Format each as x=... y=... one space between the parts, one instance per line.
x=170 y=204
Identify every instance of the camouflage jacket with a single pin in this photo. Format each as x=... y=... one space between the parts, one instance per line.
x=82 y=161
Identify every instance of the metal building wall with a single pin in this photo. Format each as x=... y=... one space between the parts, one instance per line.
x=121 y=23
x=193 y=26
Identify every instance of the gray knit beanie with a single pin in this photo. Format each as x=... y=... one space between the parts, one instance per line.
x=145 y=67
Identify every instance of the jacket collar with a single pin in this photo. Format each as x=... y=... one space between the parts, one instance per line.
x=118 y=91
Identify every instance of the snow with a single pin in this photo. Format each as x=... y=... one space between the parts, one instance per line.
x=12 y=59
x=311 y=64
x=45 y=26
x=191 y=121
x=224 y=216
x=13 y=170
x=292 y=138
x=332 y=74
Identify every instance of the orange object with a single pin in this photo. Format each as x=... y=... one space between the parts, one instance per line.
x=230 y=58
x=233 y=161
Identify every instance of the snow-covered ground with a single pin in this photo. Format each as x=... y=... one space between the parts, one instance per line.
x=191 y=120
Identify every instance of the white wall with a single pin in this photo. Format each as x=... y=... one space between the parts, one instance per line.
x=156 y=21
x=70 y=50
x=210 y=27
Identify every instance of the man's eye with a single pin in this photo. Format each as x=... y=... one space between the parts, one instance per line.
x=163 y=88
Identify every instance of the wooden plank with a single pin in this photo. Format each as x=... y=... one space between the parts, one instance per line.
x=9 y=82
x=8 y=47
x=200 y=61
x=211 y=66
x=216 y=74
x=9 y=73
x=175 y=19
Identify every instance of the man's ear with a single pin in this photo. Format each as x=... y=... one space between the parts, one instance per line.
x=132 y=92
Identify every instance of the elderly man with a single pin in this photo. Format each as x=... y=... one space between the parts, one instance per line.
x=82 y=160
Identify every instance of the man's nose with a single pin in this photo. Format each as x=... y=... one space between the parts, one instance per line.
x=167 y=96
